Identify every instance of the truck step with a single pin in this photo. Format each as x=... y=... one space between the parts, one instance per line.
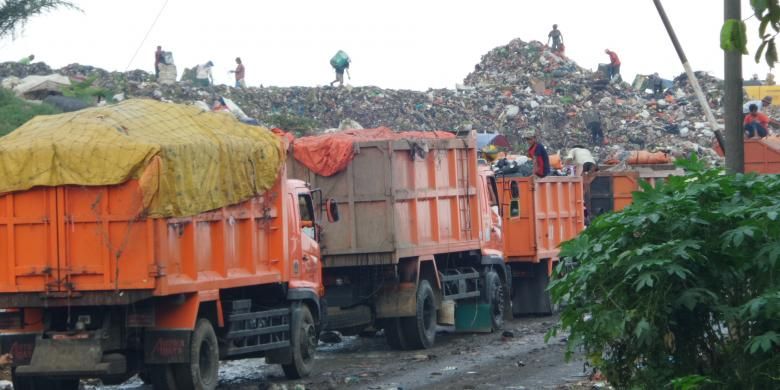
x=254 y=331
x=460 y=283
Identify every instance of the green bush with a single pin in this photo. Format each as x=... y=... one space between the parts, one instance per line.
x=14 y=112
x=680 y=290
x=86 y=92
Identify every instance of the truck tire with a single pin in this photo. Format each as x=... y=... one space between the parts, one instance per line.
x=303 y=340
x=35 y=383
x=494 y=291
x=202 y=373
x=394 y=334
x=420 y=330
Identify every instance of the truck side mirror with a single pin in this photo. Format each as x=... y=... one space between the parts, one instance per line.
x=332 y=210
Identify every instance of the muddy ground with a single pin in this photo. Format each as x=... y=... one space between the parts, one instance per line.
x=457 y=361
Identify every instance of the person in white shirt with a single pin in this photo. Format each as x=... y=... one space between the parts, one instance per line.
x=582 y=159
x=203 y=75
x=761 y=104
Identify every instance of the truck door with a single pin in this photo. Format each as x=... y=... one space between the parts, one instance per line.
x=310 y=267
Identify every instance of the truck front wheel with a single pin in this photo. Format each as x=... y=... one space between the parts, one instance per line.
x=495 y=295
x=420 y=330
x=303 y=340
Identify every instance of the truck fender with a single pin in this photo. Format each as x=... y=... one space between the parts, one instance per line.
x=177 y=311
x=309 y=297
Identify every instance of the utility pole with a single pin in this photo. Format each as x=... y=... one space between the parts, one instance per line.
x=732 y=97
x=687 y=66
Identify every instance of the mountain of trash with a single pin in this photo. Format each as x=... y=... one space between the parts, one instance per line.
x=515 y=87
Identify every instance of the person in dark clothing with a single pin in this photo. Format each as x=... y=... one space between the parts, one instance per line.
x=658 y=84
x=158 y=59
x=592 y=119
x=556 y=37
x=538 y=154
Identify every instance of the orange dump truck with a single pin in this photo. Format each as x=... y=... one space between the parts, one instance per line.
x=611 y=189
x=148 y=275
x=421 y=239
x=538 y=214
x=761 y=155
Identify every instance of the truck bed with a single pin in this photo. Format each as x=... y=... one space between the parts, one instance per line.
x=61 y=242
x=400 y=198
x=548 y=211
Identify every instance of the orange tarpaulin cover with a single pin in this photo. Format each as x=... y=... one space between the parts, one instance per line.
x=328 y=154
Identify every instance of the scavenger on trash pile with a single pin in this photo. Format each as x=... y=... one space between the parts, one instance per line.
x=582 y=159
x=592 y=120
x=756 y=123
x=240 y=73
x=557 y=39
x=614 y=65
x=538 y=154
x=340 y=62
x=658 y=84
x=762 y=104
x=158 y=59
x=27 y=60
x=203 y=75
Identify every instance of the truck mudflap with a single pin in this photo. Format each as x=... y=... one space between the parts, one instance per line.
x=53 y=357
x=167 y=346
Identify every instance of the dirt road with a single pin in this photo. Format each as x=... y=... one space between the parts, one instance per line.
x=457 y=361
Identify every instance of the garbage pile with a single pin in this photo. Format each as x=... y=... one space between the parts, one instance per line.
x=515 y=87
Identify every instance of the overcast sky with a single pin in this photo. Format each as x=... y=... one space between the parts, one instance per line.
x=393 y=44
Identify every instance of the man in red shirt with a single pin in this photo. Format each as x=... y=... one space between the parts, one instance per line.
x=538 y=154
x=240 y=72
x=756 y=123
x=614 y=64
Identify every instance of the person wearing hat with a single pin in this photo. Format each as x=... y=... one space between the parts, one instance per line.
x=761 y=104
x=538 y=154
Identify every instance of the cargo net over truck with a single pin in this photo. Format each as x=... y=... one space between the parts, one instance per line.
x=186 y=160
x=153 y=238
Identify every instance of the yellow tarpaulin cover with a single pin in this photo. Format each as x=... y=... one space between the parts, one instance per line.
x=188 y=161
